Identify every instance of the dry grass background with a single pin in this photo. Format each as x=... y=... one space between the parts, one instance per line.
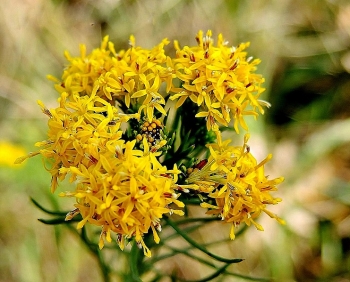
x=312 y=149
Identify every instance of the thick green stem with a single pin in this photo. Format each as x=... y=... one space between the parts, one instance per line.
x=135 y=264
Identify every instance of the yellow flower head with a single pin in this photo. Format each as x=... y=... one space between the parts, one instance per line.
x=127 y=194
x=80 y=130
x=132 y=76
x=221 y=80
x=239 y=187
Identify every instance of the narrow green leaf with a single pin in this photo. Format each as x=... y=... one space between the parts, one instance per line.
x=46 y=210
x=55 y=221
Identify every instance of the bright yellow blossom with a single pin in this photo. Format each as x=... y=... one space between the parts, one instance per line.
x=238 y=184
x=79 y=130
x=127 y=195
x=221 y=80
x=132 y=77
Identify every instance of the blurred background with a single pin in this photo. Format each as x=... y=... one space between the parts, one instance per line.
x=305 y=51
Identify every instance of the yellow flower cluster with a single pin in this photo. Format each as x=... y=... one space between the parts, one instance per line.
x=130 y=77
x=79 y=132
x=124 y=192
x=107 y=132
x=237 y=183
x=221 y=80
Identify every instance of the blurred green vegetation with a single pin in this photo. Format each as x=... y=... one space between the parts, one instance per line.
x=305 y=51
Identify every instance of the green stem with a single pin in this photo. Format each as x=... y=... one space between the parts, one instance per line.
x=198 y=246
x=135 y=261
x=96 y=251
